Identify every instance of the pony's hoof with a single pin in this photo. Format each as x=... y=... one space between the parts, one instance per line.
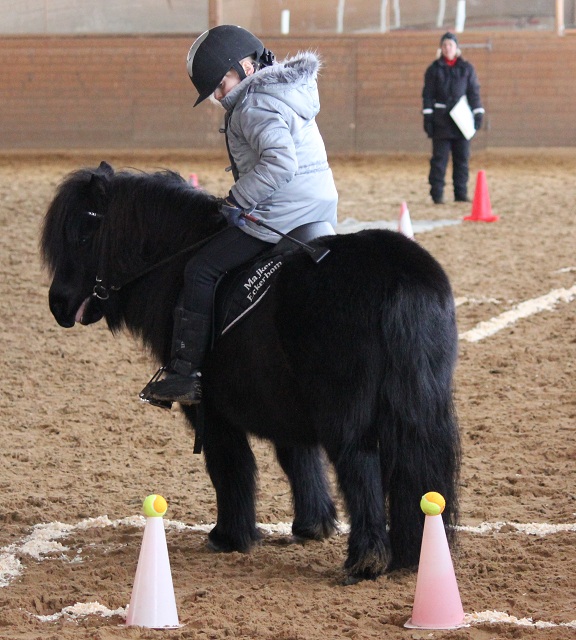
x=370 y=567
x=317 y=529
x=223 y=544
x=286 y=541
x=355 y=578
x=218 y=547
x=397 y=566
x=305 y=534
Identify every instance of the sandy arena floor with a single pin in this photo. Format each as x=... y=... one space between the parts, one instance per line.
x=78 y=445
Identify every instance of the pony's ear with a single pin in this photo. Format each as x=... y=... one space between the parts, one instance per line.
x=106 y=169
x=97 y=186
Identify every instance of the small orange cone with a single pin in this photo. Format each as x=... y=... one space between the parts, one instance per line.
x=481 y=207
x=437 y=603
x=404 y=222
x=193 y=180
x=152 y=603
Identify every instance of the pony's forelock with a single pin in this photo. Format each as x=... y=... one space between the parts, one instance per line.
x=61 y=223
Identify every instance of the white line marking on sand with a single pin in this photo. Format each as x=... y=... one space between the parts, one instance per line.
x=10 y=568
x=43 y=540
x=80 y=610
x=458 y=302
x=566 y=270
x=525 y=309
x=501 y=617
x=530 y=529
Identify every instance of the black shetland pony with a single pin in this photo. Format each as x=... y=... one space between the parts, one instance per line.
x=353 y=355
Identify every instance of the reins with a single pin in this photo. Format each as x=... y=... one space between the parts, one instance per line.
x=102 y=291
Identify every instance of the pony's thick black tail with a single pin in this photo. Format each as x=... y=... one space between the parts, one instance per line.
x=419 y=437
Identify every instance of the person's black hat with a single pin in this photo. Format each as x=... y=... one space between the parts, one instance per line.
x=448 y=36
x=217 y=51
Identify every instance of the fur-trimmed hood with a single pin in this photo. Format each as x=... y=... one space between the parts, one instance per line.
x=292 y=81
x=302 y=67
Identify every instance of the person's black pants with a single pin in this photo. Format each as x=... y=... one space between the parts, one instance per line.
x=441 y=149
x=229 y=249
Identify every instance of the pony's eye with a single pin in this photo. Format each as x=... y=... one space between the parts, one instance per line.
x=87 y=227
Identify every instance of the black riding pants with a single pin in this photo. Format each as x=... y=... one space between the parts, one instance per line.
x=441 y=149
x=230 y=248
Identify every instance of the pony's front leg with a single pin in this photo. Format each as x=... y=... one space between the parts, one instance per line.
x=358 y=471
x=314 y=511
x=232 y=469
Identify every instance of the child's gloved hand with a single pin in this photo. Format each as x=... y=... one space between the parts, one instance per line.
x=232 y=211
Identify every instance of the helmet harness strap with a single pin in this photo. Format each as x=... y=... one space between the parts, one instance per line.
x=266 y=59
x=239 y=69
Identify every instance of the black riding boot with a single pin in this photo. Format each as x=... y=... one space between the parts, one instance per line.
x=182 y=382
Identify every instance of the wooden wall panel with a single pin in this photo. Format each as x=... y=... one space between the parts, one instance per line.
x=113 y=92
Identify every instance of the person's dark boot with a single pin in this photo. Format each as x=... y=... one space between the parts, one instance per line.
x=437 y=195
x=182 y=381
x=461 y=197
x=175 y=387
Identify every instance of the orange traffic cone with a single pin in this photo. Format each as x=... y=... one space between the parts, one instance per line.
x=193 y=180
x=404 y=222
x=152 y=603
x=437 y=603
x=481 y=207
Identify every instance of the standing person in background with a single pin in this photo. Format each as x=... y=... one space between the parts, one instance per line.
x=446 y=80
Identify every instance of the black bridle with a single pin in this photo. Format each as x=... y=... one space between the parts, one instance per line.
x=102 y=290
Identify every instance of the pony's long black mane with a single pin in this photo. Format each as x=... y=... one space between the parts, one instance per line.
x=152 y=216
x=128 y=221
x=140 y=213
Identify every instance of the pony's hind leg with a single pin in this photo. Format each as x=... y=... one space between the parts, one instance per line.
x=314 y=511
x=432 y=465
x=358 y=470
x=419 y=438
x=232 y=469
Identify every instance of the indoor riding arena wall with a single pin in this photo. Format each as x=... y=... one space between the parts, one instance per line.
x=80 y=451
x=132 y=92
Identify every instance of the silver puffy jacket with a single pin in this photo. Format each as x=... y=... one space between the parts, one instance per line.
x=281 y=167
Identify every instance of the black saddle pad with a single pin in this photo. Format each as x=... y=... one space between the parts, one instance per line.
x=240 y=290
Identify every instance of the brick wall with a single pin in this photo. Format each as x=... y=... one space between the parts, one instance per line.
x=111 y=92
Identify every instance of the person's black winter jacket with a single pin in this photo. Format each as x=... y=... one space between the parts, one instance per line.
x=444 y=85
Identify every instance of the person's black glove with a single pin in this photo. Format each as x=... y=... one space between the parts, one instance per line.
x=429 y=124
x=232 y=211
x=478 y=120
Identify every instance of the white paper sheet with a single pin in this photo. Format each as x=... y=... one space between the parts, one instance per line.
x=463 y=117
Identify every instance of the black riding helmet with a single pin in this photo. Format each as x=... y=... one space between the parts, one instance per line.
x=217 y=51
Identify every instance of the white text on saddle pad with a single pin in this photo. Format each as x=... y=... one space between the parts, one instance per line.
x=259 y=279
